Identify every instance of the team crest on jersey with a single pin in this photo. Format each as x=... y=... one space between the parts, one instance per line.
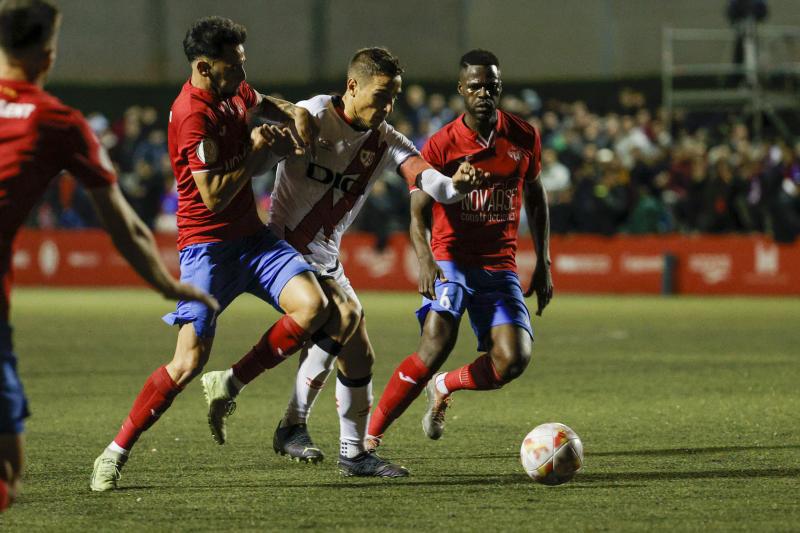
x=207 y=151
x=516 y=155
x=366 y=157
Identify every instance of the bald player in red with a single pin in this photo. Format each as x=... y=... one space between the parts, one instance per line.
x=39 y=139
x=470 y=264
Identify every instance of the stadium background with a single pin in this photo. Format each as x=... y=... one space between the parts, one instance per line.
x=615 y=162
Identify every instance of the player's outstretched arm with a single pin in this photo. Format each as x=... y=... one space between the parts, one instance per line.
x=304 y=128
x=539 y=224
x=135 y=242
x=442 y=188
x=429 y=271
x=218 y=189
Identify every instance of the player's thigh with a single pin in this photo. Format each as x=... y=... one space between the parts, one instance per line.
x=302 y=297
x=439 y=336
x=498 y=303
x=345 y=307
x=279 y=275
x=356 y=359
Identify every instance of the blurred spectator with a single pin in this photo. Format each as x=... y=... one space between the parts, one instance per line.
x=621 y=171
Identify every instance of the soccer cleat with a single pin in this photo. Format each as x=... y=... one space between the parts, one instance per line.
x=220 y=404
x=295 y=442
x=371 y=443
x=368 y=463
x=106 y=471
x=433 y=421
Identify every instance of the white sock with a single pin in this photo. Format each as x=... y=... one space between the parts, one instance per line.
x=232 y=382
x=354 y=403
x=114 y=447
x=440 y=386
x=311 y=377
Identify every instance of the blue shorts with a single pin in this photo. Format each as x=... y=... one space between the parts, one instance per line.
x=492 y=298
x=260 y=264
x=13 y=404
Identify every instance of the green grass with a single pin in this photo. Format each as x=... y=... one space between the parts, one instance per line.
x=687 y=407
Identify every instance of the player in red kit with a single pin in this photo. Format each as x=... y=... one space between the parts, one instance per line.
x=39 y=138
x=223 y=245
x=470 y=263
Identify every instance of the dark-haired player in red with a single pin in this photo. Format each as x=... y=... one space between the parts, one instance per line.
x=223 y=245
x=471 y=266
x=39 y=138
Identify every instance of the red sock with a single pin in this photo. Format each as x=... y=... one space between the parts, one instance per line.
x=407 y=381
x=283 y=339
x=5 y=497
x=478 y=375
x=155 y=397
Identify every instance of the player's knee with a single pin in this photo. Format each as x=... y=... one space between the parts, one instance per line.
x=350 y=314
x=187 y=364
x=313 y=310
x=510 y=364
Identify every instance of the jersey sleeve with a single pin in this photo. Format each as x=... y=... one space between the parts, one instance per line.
x=198 y=140
x=405 y=156
x=248 y=94
x=535 y=164
x=84 y=156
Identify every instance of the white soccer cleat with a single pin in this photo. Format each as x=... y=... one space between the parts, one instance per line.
x=220 y=403
x=106 y=471
x=433 y=421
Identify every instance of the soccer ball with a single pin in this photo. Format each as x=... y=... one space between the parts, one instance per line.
x=551 y=453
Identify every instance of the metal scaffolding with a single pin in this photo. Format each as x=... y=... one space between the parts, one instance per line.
x=763 y=80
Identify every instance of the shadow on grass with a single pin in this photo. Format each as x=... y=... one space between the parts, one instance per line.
x=694 y=451
x=665 y=451
x=748 y=473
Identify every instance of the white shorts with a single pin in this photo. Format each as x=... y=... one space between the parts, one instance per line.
x=336 y=273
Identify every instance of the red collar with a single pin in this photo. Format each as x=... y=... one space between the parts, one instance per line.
x=466 y=131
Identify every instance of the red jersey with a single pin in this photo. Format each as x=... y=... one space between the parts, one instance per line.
x=39 y=138
x=481 y=230
x=210 y=134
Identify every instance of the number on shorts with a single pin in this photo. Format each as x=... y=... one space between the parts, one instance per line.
x=444 y=299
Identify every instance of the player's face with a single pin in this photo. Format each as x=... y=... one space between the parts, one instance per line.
x=373 y=99
x=481 y=87
x=227 y=72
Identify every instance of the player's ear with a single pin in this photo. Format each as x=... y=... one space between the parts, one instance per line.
x=459 y=88
x=203 y=67
x=352 y=86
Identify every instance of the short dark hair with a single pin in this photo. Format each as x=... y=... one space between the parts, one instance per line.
x=209 y=35
x=374 y=61
x=26 y=23
x=479 y=56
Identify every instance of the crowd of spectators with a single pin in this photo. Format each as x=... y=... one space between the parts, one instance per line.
x=627 y=171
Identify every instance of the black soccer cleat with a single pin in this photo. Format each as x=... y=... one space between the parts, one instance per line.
x=295 y=442
x=370 y=464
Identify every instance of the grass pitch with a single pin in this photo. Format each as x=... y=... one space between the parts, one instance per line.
x=688 y=410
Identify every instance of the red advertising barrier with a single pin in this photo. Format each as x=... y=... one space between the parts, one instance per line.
x=581 y=264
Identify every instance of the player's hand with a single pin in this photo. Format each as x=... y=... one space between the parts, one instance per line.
x=429 y=272
x=305 y=130
x=542 y=285
x=468 y=178
x=185 y=291
x=277 y=139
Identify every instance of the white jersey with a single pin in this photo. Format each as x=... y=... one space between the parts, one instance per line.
x=315 y=199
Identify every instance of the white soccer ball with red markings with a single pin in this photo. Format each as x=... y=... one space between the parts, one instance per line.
x=551 y=453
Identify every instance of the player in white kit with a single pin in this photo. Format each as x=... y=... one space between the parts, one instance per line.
x=315 y=199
